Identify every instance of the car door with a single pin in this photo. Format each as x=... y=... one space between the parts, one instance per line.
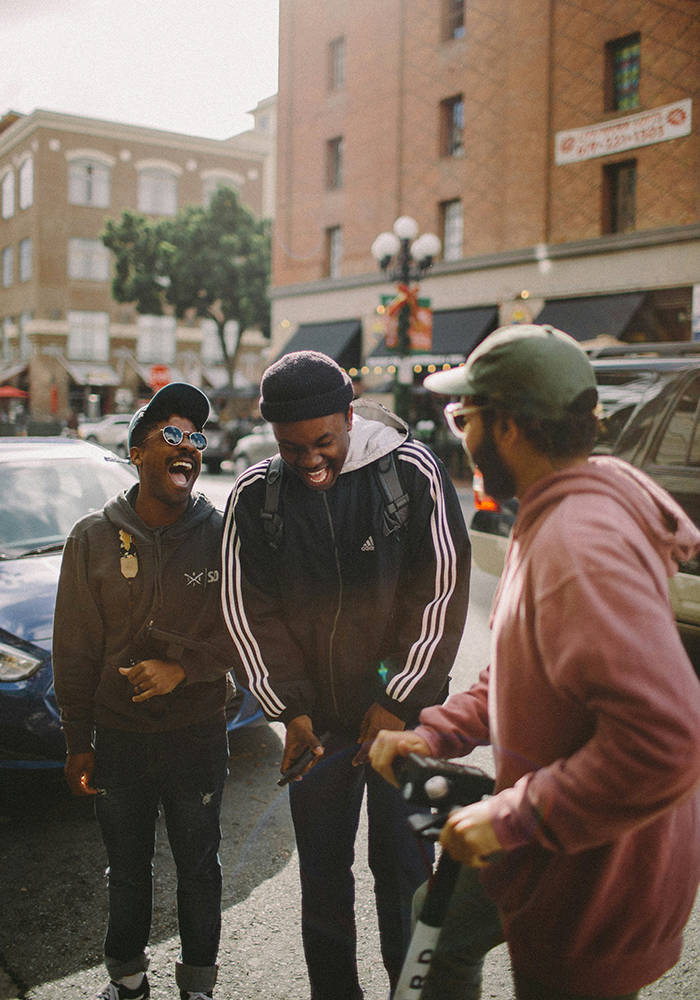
x=673 y=460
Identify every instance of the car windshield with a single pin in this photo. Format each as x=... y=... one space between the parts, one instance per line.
x=40 y=501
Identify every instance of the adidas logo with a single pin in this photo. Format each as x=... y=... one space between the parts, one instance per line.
x=369 y=545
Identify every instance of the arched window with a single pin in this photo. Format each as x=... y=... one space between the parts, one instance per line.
x=212 y=180
x=8 y=194
x=26 y=182
x=89 y=183
x=157 y=190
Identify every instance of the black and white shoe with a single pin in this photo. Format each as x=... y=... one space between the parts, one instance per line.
x=117 y=991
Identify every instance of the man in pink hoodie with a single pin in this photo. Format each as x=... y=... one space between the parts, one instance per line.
x=590 y=847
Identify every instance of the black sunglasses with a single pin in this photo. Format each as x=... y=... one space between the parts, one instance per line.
x=173 y=435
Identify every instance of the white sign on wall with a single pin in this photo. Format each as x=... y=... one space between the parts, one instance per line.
x=644 y=129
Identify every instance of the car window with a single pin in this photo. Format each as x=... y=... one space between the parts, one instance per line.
x=41 y=501
x=635 y=435
x=675 y=444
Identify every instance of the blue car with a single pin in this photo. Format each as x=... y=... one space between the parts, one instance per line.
x=45 y=486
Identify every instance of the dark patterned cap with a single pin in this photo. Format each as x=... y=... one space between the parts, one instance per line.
x=177 y=397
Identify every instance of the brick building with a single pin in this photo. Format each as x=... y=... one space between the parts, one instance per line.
x=550 y=145
x=62 y=337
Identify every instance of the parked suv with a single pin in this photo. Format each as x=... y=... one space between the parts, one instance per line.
x=651 y=418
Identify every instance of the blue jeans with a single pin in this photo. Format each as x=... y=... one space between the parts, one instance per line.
x=184 y=770
x=471 y=928
x=326 y=812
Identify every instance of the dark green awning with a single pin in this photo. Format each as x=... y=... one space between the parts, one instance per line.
x=593 y=316
x=340 y=340
x=456 y=332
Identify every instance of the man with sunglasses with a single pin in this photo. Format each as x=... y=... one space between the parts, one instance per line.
x=141 y=657
x=590 y=845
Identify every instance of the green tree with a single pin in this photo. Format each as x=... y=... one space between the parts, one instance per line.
x=212 y=262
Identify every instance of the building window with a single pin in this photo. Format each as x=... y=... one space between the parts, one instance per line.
x=89 y=183
x=88 y=336
x=335 y=153
x=212 y=181
x=8 y=194
x=25 y=259
x=619 y=196
x=88 y=260
x=452 y=230
x=336 y=64
x=453 y=19
x=156 y=343
x=334 y=251
x=25 y=344
x=8 y=267
x=26 y=183
x=157 y=191
x=452 y=126
x=622 y=73
x=8 y=333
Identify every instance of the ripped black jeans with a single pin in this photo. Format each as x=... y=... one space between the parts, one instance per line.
x=184 y=771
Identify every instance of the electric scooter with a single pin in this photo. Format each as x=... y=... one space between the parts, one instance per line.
x=440 y=785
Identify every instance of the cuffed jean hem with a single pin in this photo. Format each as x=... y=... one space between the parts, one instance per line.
x=117 y=969
x=195 y=978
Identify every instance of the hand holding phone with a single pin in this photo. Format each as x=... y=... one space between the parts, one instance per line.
x=301 y=762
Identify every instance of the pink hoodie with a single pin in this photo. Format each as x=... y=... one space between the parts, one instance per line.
x=593 y=710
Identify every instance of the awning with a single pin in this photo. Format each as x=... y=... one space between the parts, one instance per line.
x=340 y=340
x=456 y=332
x=7 y=373
x=87 y=372
x=593 y=316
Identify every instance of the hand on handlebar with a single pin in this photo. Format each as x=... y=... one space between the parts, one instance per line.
x=390 y=744
x=469 y=837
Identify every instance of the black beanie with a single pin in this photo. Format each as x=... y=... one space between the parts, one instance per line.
x=304 y=385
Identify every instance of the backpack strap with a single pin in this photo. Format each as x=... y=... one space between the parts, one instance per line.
x=396 y=501
x=273 y=524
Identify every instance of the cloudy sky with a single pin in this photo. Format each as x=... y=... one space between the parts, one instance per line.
x=192 y=66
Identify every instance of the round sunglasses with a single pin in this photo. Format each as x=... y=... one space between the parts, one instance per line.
x=174 y=436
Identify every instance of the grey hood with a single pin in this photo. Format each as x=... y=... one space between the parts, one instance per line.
x=375 y=432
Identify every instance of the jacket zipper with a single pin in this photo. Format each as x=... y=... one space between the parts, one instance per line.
x=337 y=614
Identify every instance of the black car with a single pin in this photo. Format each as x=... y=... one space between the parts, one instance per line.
x=651 y=418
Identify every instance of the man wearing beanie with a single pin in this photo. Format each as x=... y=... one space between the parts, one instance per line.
x=346 y=602
x=590 y=845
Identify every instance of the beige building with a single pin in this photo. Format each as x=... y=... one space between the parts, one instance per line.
x=62 y=337
x=552 y=146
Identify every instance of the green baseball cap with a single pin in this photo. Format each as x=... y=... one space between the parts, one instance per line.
x=534 y=370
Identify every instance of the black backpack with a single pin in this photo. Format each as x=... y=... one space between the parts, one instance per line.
x=396 y=501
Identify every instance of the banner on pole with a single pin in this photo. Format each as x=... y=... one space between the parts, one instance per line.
x=420 y=331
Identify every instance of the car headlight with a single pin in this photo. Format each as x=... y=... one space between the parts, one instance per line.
x=16 y=665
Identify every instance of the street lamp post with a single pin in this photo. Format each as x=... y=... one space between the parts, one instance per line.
x=405 y=258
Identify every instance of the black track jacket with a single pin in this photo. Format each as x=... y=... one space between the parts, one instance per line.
x=340 y=616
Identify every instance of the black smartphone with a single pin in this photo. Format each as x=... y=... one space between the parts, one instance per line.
x=302 y=761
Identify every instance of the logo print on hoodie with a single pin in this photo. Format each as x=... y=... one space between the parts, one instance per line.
x=128 y=562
